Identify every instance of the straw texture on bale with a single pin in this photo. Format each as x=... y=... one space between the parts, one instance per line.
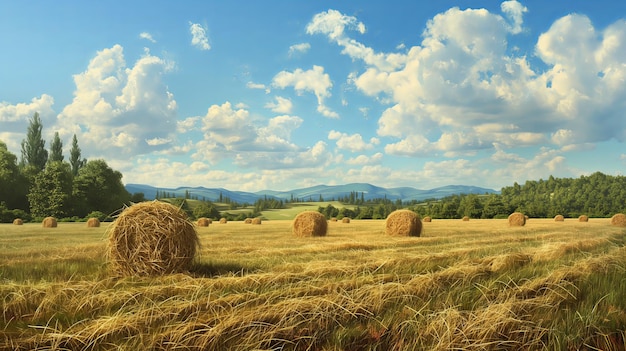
x=151 y=238
x=248 y=221
x=403 y=223
x=49 y=222
x=310 y=223
x=18 y=221
x=427 y=219
x=466 y=218
x=619 y=220
x=559 y=218
x=256 y=221
x=583 y=218
x=345 y=220
x=93 y=222
x=223 y=220
x=517 y=219
x=203 y=222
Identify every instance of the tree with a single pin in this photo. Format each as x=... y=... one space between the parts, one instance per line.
x=205 y=209
x=75 y=161
x=34 y=147
x=13 y=184
x=56 y=149
x=51 y=190
x=97 y=187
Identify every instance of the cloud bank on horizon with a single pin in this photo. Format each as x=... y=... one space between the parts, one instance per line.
x=482 y=96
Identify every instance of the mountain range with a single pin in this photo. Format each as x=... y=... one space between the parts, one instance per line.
x=327 y=192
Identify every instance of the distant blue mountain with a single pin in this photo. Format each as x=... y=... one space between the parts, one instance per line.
x=327 y=192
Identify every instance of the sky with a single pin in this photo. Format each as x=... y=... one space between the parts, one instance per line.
x=255 y=95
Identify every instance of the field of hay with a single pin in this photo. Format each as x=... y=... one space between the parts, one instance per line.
x=476 y=285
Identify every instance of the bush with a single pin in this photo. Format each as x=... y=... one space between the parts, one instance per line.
x=102 y=217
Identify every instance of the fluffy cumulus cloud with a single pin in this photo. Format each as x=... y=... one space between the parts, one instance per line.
x=280 y=105
x=199 y=38
x=353 y=143
x=147 y=36
x=313 y=81
x=299 y=48
x=118 y=109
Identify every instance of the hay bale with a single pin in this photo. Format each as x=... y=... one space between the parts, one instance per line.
x=49 y=222
x=223 y=220
x=151 y=238
x=345 y=220
x=427 y=219
x=583 y=218
x=619 y=220
x=559 y=218
x=466 y=218
x=517 y=219
x=333 y=219
x=403 y=223
x=18 y=221
x=248 y=221
x=93 y=222
x=203 y=222
x=310 y=223
x=256 y=221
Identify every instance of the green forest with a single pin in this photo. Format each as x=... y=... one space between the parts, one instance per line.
x=42 y=183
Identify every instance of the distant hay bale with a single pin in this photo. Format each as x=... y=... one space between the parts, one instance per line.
x=18 y=221
x=334 y=219
x=403 y=223
x=345 y=220
x=256 y=221
x=223 y=220
x=527 y=218
x=310 y=223
x=466 y=218
x=203 y=222
x=49 y=222
x=93 y=222
x=427 y=219
x=619 y=220
x=151 y=238
x=583 y=218
x=248 y=221
x=559 y=218
x=517 y=219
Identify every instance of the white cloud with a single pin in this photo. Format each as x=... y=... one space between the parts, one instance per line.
x=15 y=118
x=282 y=105
x=199 y=37
x=299 y=48
x=158 y=141
x=187 y=124
x=353 y=143
x=514 y=11
x=313 y=80
x=365 y=160
x=252 y=85
x=147 y=36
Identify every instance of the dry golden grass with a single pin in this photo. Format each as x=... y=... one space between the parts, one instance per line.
x=478 y=285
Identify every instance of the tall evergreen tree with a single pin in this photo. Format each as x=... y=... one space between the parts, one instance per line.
x=56 y=149
x=34 y=151
x=75 y=158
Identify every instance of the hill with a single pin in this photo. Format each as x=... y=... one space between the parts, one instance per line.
x=327 y=192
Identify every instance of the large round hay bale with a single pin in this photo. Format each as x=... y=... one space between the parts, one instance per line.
x=203 y=222
x=583 y=218
x=619 y=220
x=310 y=223
x=466 y=218
x=517 y=219
x=93 y=222
x=248 y=221
x=151 y=238
x=345 y=220
x=559 y=218
x=427 y=219
x=403 y=223
x=223 y=220
x=256 y=221
x=49 y=222
x=18 y=221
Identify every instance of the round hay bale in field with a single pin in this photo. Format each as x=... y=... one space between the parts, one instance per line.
x=310 y=223
x=93 y=222
x=619 y=220
x=256 y=221
x=18 y=221
x=466 y=218
x=49 y=222
x=248 y=221
x=223 y=220
x=427 y=219
x=345 y=220
x=203 y=222
x=559 y=218
x=403 y=223
x=583 y=218
x=333 y=219
x=151 y=238
x=517 y=219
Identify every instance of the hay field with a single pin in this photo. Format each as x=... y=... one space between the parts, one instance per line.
x=477 y=285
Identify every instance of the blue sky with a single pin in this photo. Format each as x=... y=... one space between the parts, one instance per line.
x=251 y=95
